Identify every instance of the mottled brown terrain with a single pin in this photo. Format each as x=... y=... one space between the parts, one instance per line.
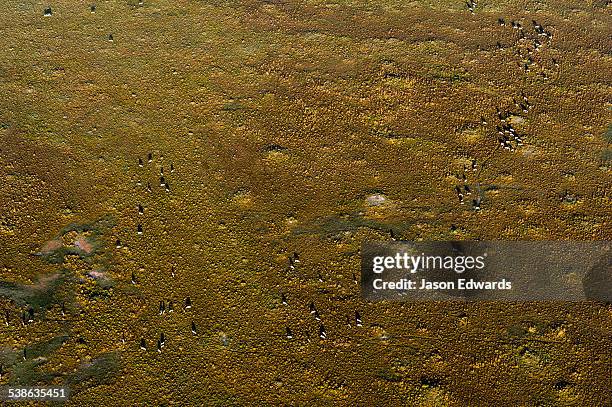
x=289 y=127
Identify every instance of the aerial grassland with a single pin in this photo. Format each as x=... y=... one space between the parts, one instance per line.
x=208 y=170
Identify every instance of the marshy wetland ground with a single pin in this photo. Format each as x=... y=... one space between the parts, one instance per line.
x=185 y=186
